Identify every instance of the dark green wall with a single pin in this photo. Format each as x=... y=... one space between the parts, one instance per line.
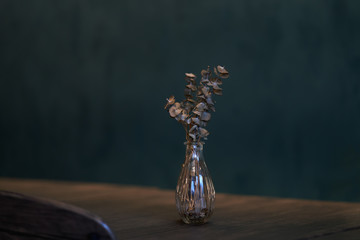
x=83 y=84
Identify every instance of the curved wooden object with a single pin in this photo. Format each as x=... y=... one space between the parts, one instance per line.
x=28 y=218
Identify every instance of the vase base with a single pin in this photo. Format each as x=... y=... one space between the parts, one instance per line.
x=196 y=222
x=194 y=219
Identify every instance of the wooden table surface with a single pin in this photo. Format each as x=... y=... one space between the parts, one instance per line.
x=150 y=213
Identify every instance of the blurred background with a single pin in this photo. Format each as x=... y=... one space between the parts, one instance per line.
x=83 y=85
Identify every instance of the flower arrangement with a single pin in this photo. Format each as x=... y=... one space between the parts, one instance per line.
x=194 y=111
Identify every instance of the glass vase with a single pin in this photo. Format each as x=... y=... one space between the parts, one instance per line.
x=195 y=193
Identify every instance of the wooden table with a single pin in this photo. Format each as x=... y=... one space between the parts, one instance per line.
x=149 y=213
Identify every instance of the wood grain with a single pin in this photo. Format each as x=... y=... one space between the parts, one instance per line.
x=149 y=213
x=24 y=217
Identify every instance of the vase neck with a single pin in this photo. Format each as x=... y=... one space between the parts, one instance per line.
x=194 y=151
x=194 y=146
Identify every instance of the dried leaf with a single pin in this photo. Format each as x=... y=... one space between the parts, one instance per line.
x=222 y=70
x=224 y=75
x=203 y=124
x=178 y=111
x=188 y=106
x=201 y=106
x=182 y=116
x=185 y=114
x=173 y=112
x=216 y=71
x=203 y=132
x=193 y=136
x=195 y=120
x=218 y=92
x=192 y=87
x=197 y=112
x=204 y=73
x=201 y=96
x=190 y=75
x=216 y=87
x=209 y=101
x=191 y=81
x=205 y=91
x=205 y=116
x=204 y=80
x=219 y=81
x=193 y=128
x=187 y=92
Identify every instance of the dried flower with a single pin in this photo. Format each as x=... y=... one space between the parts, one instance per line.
x=193 y=112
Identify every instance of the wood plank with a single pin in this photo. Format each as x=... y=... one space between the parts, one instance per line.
x=150 y=213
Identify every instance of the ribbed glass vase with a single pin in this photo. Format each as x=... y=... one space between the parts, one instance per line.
x=195 y=193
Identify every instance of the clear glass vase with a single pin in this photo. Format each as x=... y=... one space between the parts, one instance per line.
x=195 y=193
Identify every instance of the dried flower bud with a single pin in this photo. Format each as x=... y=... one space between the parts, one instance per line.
x=170 y=101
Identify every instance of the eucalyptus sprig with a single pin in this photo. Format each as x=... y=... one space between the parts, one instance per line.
x=194 y=111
